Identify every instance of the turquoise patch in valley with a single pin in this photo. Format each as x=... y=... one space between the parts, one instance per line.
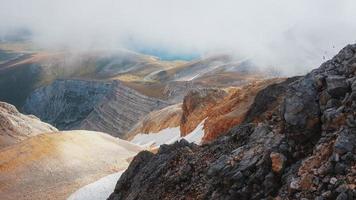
x=169 y=56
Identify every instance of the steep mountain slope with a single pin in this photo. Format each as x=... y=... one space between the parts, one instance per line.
x=65 y=103
x=52 y=166
x=299 y=145
x=109 y=107
x=216 y=110
x=15 y=126
x=120 y=110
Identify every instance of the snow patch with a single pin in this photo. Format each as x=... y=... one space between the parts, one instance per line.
x=165 y=136
x=197 y=134
x=168 y=136
x=98 y=190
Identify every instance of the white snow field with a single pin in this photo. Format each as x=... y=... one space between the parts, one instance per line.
x=99 y=190
x=168 y=136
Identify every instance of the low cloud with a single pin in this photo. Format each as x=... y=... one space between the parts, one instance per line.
x=294 y=36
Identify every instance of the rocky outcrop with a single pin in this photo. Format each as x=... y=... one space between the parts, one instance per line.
x=52 y=166
x=196 y=105
x=299 y=145
x=325 y=114
x=109 y=107
x=15 y=127
x=233 y=109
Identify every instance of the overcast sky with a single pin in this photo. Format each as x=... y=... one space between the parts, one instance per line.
x=292 y=35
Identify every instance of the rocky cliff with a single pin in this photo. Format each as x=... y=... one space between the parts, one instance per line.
x=299 y=144
x=120 y=110
x=65 y=103
x=15 y=127
x=106 y=106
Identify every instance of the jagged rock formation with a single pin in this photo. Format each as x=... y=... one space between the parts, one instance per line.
x=109 y=107
x=52 y=166
x=300 y=145
x=15 y=127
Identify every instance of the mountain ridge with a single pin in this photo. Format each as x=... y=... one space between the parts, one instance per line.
x=301 y=146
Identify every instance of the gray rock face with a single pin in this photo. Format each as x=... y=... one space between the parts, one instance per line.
x=345 y=142
x=65 y=103
x=92 y=105
x=337 y=85
x=301 y=108
x=120 y=110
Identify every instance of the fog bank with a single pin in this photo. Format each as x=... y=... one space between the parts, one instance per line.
x=295 y=36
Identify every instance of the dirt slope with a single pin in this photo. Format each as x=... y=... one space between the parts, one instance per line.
x=52 y=166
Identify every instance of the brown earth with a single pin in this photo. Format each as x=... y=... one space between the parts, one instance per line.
x=52 y=166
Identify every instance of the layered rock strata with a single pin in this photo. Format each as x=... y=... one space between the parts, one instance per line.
x=109 y=107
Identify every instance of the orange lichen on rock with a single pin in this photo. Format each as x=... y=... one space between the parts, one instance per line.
x=278 y=162
x=320 y=156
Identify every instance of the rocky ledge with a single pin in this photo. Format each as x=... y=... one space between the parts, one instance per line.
x=299 y=144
